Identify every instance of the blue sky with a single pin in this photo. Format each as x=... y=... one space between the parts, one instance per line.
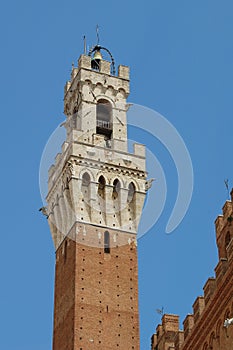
x=180 y=54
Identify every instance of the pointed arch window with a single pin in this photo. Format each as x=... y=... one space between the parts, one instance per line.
x=205 y=346
x=86 y=180
x=104 y=118
x=131 y=192
x=218 y=329
x=101 y=186
x=211 y=342
x=116 y=189
x=106 y=242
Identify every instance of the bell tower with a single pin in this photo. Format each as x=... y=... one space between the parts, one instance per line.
x=96 y=192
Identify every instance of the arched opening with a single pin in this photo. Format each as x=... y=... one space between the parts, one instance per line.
x=211 y=342
x=131 y=199
x=95 y=62
x=104 y=118
x=101 y=186
x=86 y=194
x=205 y=346
x=101 y=195
x=218 y=329
x=116 y=189
x=131 y=192
x=86 y=185
x=86 y=180
x=106 y=242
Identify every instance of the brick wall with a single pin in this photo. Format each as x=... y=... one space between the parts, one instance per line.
x=96 y=294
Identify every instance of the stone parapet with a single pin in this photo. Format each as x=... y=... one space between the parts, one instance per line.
x=209 y=289
x=220 y=269
x=179 y=339
x=188 y=325
x=198 y=307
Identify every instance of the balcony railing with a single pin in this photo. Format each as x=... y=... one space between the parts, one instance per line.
x=103 y=124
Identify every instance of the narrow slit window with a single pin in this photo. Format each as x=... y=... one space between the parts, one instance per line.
x=106 y=242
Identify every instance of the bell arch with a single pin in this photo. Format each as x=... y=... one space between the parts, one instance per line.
x=104 y=118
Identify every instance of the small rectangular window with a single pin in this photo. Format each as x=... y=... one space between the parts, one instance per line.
x=106 y=242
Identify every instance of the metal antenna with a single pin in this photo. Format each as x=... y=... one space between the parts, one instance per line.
x=85 y=44
x=227 y=187
x=160 y=311
x=97 y=34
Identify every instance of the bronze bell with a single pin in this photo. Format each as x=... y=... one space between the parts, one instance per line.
x=97 y=55
x=95 y=62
